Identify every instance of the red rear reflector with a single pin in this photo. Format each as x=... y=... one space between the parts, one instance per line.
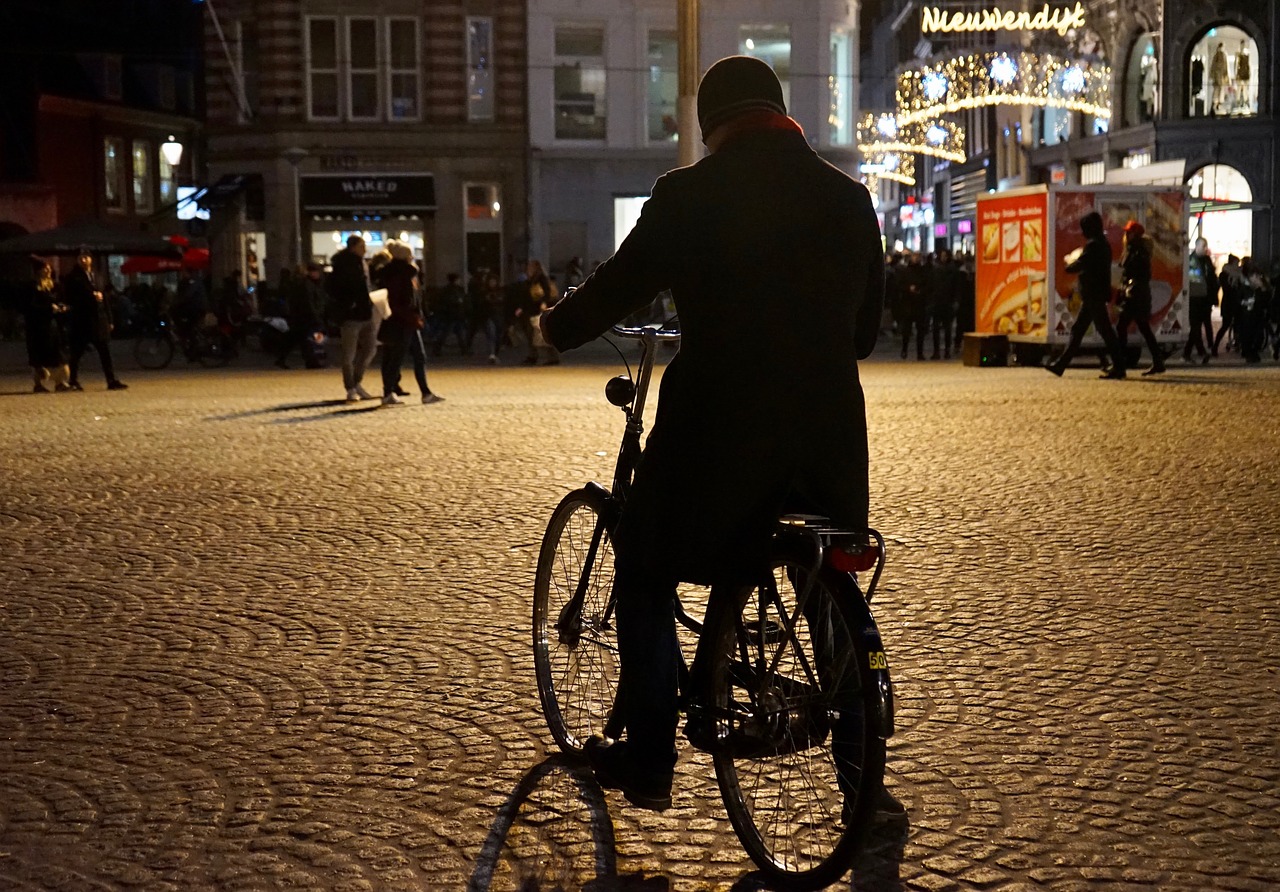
x=856 y=562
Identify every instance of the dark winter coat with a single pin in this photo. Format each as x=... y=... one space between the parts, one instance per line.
x=1135 y=265
x=775 y=263
x=1094 y=263
x=349 y=287
x=397 y=278
x=87 y=317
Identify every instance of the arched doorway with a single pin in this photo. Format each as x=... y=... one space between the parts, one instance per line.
x=1217 y=191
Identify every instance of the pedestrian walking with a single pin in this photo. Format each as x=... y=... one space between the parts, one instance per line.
x=304 y=303
x=535 y=294
x=88 y=322
x=496 y=321
x=40 y=312
x=450 y=312
x=349 y=290
x=1135 y=306
x=1094 y=269
x=1232 y=279
x=1251 y=314
x=944 y=292
x=406 y=322
x=913 y=301
x=1203 y=290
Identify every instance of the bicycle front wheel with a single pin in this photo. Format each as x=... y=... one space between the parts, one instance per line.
x=153 y=351
x=575 y=642
x=798 y=757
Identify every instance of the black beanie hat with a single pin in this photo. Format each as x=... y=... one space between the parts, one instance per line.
x=734 y=85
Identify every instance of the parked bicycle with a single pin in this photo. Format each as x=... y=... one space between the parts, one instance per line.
x=205 y=344
x=789 y=690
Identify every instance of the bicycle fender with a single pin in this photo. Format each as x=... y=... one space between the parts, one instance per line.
x=606 y=505
x=880 y=691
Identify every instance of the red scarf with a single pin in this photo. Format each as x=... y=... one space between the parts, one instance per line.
x=758 y=121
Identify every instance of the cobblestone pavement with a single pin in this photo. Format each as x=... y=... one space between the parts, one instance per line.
x=251 y=638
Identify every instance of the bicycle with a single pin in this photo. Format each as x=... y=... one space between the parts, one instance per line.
x=207 y=345
x=789 y=690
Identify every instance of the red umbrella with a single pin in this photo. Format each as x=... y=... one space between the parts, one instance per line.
x=192 y=259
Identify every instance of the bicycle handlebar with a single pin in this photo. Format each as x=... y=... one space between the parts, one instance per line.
x=639 y=333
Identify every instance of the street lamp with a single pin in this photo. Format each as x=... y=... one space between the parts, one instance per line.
x=171 y=150
x=687 y=75
x=294 y=156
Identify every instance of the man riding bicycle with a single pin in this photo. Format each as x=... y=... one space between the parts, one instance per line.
x=775 y=263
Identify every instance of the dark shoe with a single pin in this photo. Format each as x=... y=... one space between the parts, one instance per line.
x=39 y=388
x=400 y=391
x=552 y=362
x=1154 y=370
x=529 y=360
x=61 y=388
x=117 y=385
x=1205 y=361
x=616 y=768
x=936 y=356
x=1114 y=375
x=75 y=385
x=281 y=364
x=904 y=352
x=1054 y=369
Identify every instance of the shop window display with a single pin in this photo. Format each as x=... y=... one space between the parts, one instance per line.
x=1223 y=74
x=1142 y=82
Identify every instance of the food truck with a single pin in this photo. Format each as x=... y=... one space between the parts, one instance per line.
x=1025 y=239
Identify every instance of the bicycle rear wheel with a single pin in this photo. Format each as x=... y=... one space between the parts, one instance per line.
x=213 y=349
x=799 y=758
x=153 y=351
x=575 y=643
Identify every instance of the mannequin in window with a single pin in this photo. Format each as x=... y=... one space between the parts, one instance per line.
x=1219 y=79
x=1147 y=88
x=1197 y=86
x=1243 y=75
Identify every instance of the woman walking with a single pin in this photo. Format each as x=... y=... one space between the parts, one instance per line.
x=403 y=328
x=44 y=350
x=1135 y=265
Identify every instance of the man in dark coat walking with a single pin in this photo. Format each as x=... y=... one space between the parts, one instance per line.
x=88 y=322
x=775 y=263
x=349 y=291
x=1094 y=268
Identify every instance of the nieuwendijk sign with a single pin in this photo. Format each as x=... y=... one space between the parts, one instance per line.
x=369 y=192
x=1061 y=19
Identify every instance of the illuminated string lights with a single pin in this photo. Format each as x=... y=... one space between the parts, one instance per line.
x=977 y=80
x=878 y=134
x=895 y=166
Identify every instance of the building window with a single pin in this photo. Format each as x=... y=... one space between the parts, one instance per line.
x=772 y=44
x=479 y=68
x=662 y=84
x=1142 y=82
x=1223 y=78
x=113 y=173
x=483 y=201
x=168 y=182
x=142 y=186
x=1230 y=230
x=322 y=68
x=1093 y=173
x=840 y=124
x=402 y=50
x=1136 y=158
x=362 y=69
x=579 y=82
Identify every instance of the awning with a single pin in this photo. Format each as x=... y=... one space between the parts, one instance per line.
x=226 y=189
x=1160 y=173
x=1209 y=205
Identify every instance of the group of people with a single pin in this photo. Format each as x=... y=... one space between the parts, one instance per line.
x=484 y=308
x=1247 y=302
x=63 y=318
x=930 y=293
x=1249 y=312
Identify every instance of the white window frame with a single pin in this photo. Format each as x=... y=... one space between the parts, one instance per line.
x=144 y=201
x=415 y=25
x=581 y=62
x=480 y=74
x=351 y=71
x=336 y=71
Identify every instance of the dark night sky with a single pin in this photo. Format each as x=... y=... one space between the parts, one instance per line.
x=161 y=30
